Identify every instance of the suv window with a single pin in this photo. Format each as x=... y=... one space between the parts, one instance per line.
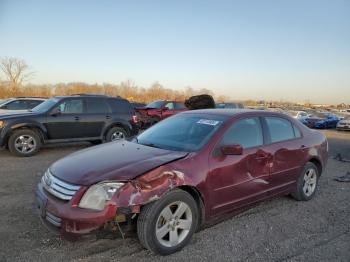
x=17 y=105
x=246 y=132
x=33 y=103
x=120 y=106
x=179 y=106
x=97 y=105
x=280 y=129
x=169 y=105
x=72 y=106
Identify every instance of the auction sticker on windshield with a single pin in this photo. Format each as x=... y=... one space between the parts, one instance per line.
x=208 y=122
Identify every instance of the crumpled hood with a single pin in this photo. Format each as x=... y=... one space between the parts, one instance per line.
x=119 y=161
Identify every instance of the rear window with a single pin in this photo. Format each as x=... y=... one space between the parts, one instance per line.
x=120 y=106
x=280 y=129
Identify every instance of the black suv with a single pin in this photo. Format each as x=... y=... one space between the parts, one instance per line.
x=94 y=118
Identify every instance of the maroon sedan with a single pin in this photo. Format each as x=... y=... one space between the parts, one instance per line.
x=187 y=170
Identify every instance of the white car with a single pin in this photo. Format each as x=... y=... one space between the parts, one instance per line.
x=300 y=114
x=344 y=124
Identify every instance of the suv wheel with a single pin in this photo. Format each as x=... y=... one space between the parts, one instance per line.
x=307 y=183
x=24 y=142
x=167 y=225
x=116 y=133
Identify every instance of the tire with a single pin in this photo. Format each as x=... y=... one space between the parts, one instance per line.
x=151 y=218
x=24 y=142
x=116 y=133
x=306 y=187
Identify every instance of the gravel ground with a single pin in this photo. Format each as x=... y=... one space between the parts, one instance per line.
x=277 y=230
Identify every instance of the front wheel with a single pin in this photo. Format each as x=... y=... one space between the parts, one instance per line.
x=24 y=142
x=307 y=183
x=167 y=225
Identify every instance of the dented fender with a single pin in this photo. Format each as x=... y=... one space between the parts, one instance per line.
x=149 y=187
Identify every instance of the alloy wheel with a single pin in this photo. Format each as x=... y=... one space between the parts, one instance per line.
x=25 y=144
x=173 y=224
x=310 y=180
x=118 y=136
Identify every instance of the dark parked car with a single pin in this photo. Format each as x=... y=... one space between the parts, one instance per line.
x=93 y=118
x=20 y=103
x=157 y=111
x=229 y=105
x=185 y=171
x=321 y=121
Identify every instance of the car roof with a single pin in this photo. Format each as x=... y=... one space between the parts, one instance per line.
x=26 y=98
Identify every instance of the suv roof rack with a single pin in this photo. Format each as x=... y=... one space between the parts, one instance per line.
x=89 y=94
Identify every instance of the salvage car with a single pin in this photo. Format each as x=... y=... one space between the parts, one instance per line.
x=93 y=118
x=157 y=111
x=185 y=171
x=229 y=105
x=344 y=124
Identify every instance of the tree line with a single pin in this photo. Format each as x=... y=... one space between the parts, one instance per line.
x=16 y=75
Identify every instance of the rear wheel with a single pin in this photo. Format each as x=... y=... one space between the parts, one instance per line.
x=116 y=133
x=307 y=183
x=24 y=142
x=167 y=225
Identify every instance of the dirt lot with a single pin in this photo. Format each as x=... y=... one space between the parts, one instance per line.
x=278 y=230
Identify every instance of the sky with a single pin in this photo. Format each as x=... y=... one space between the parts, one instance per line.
x=292 y=50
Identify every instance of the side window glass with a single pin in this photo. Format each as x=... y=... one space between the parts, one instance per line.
x=97 y=106
x=17 y=105
x=72 y=106
x=280 y=129
x=170 y=105
x=246 y=132
x=179 y=106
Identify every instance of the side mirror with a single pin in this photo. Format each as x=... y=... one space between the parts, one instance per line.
x=232 y=149
x=56 y=111
x=165 y=108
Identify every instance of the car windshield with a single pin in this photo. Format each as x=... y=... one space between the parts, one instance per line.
x=182 y=132
x=155 y=104
x=4 y=101
x=45 y=106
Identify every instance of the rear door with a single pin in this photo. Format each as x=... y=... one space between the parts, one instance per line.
x=98 y=114
x=286 y=147
x=67 y=124
x=238 y=180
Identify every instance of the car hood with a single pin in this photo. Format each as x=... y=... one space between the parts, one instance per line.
x=118 y=161
x=7 y=114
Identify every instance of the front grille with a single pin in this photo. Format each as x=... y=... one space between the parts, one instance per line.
x=56 y=221
x=57 y=187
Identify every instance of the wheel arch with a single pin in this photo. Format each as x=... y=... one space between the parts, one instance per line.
x=41 y=130
x=317 y=163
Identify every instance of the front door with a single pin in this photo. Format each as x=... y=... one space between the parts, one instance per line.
x=238 y=180
x=66 y=123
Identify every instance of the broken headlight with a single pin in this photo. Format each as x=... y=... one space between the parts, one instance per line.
x=97 y=195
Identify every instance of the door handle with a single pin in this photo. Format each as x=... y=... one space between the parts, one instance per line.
x=108 y=117
x=77 y=118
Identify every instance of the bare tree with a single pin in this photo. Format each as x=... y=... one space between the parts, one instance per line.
x=16 y=71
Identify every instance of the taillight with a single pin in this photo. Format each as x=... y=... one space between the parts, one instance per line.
x=135 y=119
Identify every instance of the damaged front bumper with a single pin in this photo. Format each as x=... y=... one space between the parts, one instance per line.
x=68 y=219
